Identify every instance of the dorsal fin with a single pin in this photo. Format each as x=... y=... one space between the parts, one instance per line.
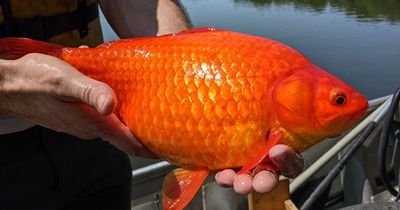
x=199 y=30
x=188 y=31
x=107 y=44
x=180 y=186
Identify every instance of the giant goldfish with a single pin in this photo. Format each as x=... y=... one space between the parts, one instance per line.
x=209 y=99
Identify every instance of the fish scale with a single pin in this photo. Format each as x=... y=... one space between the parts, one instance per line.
x=209 y=94
x=208 y=99
x=199 y=98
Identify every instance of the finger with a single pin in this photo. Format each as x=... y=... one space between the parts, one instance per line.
x=225 y=177
x=264 y=181
x=93 y=125
x=286 y=160
x=242 y=184
x=77 y=119
x=67 y=83
x=121 y=137
x=89 y=91
x=111 y=129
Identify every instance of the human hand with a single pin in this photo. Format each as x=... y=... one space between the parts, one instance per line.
x=53 y=94
x=288 y=162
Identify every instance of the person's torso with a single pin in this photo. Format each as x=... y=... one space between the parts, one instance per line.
x=49 y=14
x=26 y=18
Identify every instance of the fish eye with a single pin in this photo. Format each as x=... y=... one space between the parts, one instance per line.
x=338 y=97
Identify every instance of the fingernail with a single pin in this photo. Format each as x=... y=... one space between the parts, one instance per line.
x=278 y=155
x=102 y=102
x=216 y=176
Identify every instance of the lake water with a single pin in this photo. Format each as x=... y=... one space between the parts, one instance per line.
x=358 y=41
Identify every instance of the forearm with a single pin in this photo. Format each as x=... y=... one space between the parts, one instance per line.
x=134 y=18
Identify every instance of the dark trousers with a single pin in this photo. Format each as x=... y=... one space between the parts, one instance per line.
x=44 y=170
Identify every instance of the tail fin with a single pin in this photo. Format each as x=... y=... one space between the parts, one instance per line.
x=14 y=48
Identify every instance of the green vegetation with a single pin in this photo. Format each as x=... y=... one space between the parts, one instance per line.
x=363 y=10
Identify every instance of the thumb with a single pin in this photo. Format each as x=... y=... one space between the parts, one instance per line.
x=93 y=93
x=286 y=160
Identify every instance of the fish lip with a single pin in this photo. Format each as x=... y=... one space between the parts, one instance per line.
x=362 y=107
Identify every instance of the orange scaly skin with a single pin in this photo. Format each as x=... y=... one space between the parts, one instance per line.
x=197 y=99
x=209 y=99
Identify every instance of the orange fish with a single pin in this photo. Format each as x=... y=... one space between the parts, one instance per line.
x=208 y=99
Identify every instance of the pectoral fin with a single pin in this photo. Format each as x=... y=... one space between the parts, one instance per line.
x=274 y=136
x=181 y=185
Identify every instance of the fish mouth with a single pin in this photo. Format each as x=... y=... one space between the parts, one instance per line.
x=360 y=108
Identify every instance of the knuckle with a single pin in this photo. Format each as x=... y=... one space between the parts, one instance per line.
x=57 y=84
x=31 y=58
x=90 y=91
x=86 y=92
x=28 y=56
x=57 y=80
